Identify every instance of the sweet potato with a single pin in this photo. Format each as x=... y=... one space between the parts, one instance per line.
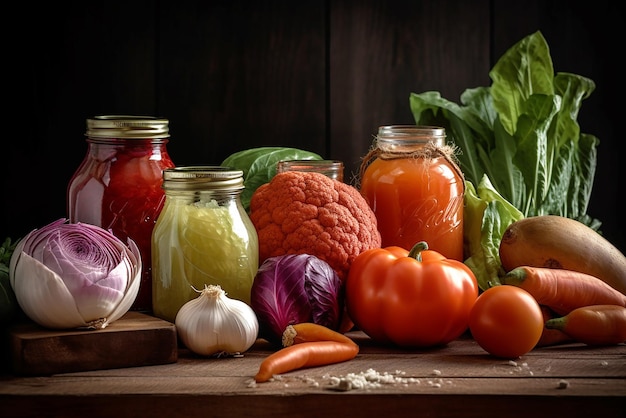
x=559 y=242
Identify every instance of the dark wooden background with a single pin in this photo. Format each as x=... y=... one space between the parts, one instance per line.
x=317 y=75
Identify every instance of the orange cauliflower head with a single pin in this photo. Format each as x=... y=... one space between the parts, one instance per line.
x=309 y=213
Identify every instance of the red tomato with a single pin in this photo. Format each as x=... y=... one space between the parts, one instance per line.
x=506 y=321
x=415 y=299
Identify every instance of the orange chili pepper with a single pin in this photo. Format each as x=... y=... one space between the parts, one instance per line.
x=303 y=355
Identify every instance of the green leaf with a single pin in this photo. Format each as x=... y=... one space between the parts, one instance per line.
x=8 y=302
x=480 y=102
x=573 y=89
x=585 y=169
x=525 y=69
x=259 y=166
x=563 y=178
x=6 y=251
x=507 y=177
x=486 y=216
x=464 y=129
x=535 y=155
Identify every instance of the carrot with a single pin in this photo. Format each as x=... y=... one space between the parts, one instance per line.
x=309 y=331
x=594 y=324
x=303 y=355
x=559 y=242
x=563 y=290
x=550 y=336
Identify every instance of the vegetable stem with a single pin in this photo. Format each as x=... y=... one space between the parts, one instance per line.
x=310 y=332
x=416 y=251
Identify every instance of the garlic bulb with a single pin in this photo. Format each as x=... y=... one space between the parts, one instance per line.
x=214 y=323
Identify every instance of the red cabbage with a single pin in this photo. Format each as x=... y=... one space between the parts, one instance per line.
x=295 y=288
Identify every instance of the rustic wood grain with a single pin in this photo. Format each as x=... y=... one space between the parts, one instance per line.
x=459 y=379
x=242 y=75
x=234 y=75
x=128 y=342
x=380 y=52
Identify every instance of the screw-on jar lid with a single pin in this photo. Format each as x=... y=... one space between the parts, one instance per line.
x=203 y=178
x=126 y=126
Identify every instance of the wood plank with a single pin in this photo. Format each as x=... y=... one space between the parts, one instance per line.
x=240 y=75
x=461 y=359
x=362 y=405
x=456 y=380
x=133 y=340
x=92 y=58
x=380 y=52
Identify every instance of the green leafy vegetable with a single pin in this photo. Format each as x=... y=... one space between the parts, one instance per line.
x=8 y=301
x=486 y=217
x=259 y=166
x=521 y=140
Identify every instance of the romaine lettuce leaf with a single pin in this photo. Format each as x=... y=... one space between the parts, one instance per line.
x=517 y=139
x=486 y=216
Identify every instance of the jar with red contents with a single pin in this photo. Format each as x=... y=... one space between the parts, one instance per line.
x=415 y=188
x=118 y=184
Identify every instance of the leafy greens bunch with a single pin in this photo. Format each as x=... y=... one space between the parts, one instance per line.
x=8 y=302
x=521 y=149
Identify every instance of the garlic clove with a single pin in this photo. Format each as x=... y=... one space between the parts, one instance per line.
x=43 y=296
x=248 y=329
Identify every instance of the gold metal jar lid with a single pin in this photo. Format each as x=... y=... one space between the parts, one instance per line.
x=198 y=178
x=127 y=126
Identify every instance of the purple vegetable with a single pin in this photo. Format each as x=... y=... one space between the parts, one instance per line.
x=295 y=288
x=74 y=275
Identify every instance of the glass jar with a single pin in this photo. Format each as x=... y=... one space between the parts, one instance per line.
x=330 y=168
x=202 y=237
x=415 y=189
x=118 y=184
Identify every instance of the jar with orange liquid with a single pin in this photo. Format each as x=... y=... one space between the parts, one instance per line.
x=415 y=189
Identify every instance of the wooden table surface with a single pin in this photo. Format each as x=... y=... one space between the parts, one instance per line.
x=459 y=379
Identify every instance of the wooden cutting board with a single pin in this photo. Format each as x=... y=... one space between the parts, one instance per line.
x=136 y=339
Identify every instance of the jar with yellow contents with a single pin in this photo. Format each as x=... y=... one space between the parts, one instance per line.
x=203 y=236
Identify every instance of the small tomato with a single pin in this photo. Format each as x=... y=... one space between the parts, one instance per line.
x=418 y=298
x=506 y=321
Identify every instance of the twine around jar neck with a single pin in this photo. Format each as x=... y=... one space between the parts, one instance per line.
x=429 y=151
